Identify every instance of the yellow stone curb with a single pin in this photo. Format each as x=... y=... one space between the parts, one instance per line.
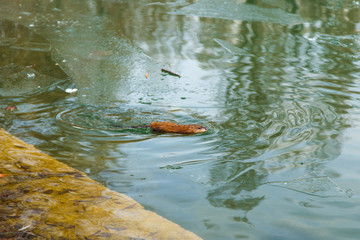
x=41 y=198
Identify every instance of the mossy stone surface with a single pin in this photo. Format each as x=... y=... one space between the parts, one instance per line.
x=41 y=198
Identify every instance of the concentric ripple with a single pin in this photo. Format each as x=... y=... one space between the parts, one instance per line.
x=110 y=121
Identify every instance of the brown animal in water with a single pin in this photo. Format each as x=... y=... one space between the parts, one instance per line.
x=177 y=128
x=170 y=127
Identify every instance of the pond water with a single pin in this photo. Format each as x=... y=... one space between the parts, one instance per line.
x=276 y=83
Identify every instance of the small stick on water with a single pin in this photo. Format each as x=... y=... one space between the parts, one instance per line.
x=170 y=72
x=111 y=106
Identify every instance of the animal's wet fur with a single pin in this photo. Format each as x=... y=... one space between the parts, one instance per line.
x=177 y=128
x=170 y=127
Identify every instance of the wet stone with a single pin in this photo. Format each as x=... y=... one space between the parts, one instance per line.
x=41 y=198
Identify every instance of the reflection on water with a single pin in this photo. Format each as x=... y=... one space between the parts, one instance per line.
x=26 y=64
x=277 y=86
x=235 y=10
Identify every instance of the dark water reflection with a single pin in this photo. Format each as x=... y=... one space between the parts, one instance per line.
x=277 y=86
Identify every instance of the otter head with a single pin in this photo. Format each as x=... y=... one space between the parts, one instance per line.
x=196 y=128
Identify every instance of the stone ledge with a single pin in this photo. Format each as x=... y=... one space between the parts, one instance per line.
x=41 y=198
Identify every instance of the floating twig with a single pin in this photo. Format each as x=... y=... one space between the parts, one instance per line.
x=112 y=105
x=170 y=72
x=24 y=228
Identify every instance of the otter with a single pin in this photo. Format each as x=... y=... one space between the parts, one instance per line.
x=170 y=127
x=177 y=128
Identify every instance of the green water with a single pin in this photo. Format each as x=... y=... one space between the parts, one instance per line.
x=275 y=82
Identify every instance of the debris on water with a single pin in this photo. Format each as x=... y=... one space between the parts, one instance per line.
x=71 y=90
x=33 y=46
x=11 y=108
x=231 y=48
x=315 y=184
x=170 y=72
x=23 y=228
x=30 y=75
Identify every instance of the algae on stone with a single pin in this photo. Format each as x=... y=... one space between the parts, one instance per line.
x=41 y=198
